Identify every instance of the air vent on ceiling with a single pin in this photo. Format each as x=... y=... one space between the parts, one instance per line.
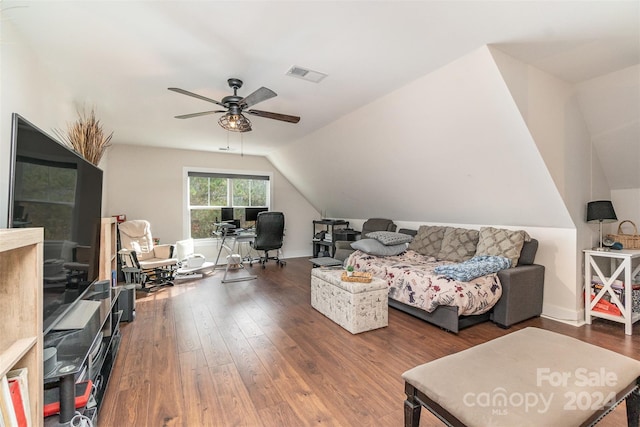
x=306 y=74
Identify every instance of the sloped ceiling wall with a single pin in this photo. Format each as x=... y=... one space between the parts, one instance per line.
x=450 y=147
x=549 y=107
x=611 y=108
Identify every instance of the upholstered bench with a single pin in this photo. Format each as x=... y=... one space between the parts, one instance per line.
x=357 y=307
x=531 y=377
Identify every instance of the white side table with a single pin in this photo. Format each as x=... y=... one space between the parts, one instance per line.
x=625 y=265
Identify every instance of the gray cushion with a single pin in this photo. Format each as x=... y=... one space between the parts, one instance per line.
x=374 y=247
x=458 y=244
x=428 y=240
x=389 y=238
x=502 y=242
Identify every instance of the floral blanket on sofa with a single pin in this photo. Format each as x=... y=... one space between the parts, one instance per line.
x=412 y=281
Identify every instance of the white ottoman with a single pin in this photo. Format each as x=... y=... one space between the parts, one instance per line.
x=357 y=307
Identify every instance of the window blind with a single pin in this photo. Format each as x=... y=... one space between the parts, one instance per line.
x=227 y=175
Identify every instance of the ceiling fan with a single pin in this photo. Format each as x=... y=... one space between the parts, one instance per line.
x=235 y=105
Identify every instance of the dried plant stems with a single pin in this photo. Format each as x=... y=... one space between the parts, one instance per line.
x=86 y=137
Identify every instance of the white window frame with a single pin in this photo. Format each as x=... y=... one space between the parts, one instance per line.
x=186 y=216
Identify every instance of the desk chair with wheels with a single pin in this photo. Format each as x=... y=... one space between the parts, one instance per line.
x=144 y=264
x=269 y=236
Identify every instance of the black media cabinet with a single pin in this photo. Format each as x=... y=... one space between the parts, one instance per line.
x=85 y=354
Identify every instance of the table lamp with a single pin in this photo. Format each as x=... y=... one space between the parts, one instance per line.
x=601 y=211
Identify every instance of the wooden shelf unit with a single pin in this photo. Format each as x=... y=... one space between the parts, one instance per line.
x=108 y=249
x=21 y=310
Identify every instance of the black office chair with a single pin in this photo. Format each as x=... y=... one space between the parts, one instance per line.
x=269 y=236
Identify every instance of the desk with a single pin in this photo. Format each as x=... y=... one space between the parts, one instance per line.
x=243 y=237
x=229 y=240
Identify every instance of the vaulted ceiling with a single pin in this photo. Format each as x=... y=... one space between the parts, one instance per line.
x=122 y=56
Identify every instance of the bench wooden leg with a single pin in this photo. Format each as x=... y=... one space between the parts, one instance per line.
x=412 y=407
x=633 y=409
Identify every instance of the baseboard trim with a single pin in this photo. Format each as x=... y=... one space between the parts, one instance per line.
x=562 y=314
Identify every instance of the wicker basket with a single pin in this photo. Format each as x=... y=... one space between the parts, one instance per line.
x=629 y=241
x=358 y=276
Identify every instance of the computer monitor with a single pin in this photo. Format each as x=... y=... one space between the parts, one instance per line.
x=226 y=214
x=251 y=214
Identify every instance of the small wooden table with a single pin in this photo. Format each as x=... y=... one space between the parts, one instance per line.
x=530 y=377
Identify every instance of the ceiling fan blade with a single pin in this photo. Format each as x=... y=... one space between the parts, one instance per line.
x=204 y=113
x=195 y=95
x=259 y=95
x=275 y=116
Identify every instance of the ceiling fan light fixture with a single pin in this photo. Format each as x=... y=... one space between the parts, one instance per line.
x=235 y=122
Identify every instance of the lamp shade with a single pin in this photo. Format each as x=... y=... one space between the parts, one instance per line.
x=601 y=211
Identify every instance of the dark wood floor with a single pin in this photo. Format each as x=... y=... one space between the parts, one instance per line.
x=256 y=353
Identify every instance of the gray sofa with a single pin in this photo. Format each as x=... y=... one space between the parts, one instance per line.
x=522 y=293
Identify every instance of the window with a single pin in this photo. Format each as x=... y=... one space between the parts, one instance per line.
x=209 y=192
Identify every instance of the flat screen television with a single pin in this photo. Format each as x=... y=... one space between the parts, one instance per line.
x=251 y=214
x=53 y=187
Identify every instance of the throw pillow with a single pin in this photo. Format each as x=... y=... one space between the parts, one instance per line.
x=458 y=244
x=389 y=238
x=501 y=242
x=374 y=247
x=428 y=241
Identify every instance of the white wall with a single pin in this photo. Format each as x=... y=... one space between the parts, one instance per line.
x=28 y=91
x=611 y=107
x=147 y=183
x=612 y=111
x=551 y=111
x=627 y=206
x=450 y=148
